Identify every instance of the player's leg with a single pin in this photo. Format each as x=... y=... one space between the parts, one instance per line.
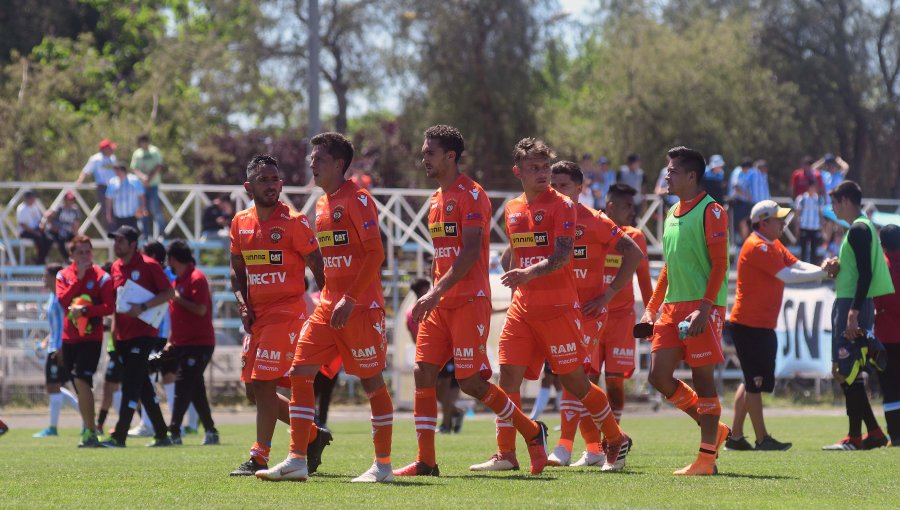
x=200 y=401
x=663 y=363
x=737 y=441
x=86 y=359
x=712 y=433
x=149 y=400
x=382 y=429
x=323 y=387
x=890 y=384
x=53 y=375
x=425 y=406
x=548 y=381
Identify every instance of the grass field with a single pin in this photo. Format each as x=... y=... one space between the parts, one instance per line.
x=51 y=472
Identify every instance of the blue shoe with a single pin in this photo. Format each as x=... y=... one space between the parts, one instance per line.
x=47 y=432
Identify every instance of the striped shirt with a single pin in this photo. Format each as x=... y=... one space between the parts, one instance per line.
x=55 y=318
x=101 y=168
x=757 y=183
x=810 y=209
x=126 y=197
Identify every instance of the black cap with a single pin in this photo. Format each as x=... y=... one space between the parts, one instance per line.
x=29 y=193
x=127 y=231
x=829 y=158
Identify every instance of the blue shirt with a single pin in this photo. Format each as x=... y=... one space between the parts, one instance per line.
x=126 y=196
x=757 y=183
x=55 y=317
x=810 y=208
x=165 y=326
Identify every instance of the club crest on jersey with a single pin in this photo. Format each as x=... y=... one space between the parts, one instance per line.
x=579 y=231
x=451 y=204
x=90 y=285
x=481 y=349
x=337 y=214
x=364 y=200
x=764 y=248
x=276 y=234
x=539 y=216
x=135 y=275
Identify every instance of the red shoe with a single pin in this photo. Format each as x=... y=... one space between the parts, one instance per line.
x=418 y=468
x=616 y=454
x=537 y=449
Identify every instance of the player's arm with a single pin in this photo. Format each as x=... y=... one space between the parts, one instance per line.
x=239 y=287
x=468 y=255
x=366 y=274
x=107 y=304
x=643 y=269
x=801 y=272
x=631 y=258
x=65 y=292
x=506 y=259
x=315 y=264
x=562 y=254
x=163 y=296
x=656 y=299
x=717 y=247
x=859 y=237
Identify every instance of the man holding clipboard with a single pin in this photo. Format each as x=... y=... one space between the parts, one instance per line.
x=134 y=337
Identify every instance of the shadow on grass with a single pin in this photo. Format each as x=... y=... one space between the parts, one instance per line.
x=541 y=477
x=756 y=477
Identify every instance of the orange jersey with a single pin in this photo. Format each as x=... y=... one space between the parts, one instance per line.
x=624 y=299
x=595 y=236
x=273 y=252
x=533 y=229
x=759 y=292
x=345 y=221
x=462 y=205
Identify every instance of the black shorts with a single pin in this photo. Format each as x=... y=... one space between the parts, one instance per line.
x=81 y=360
x=53 y=373
x=756 y=349
x=114 y=368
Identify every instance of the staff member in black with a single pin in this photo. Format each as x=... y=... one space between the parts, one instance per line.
x=191 y=341
x=135 y=338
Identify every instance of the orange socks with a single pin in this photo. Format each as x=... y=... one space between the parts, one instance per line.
x=260 y=453
x=510 y=418
x=685 y=399
x=598 y=405
x=425 y=413
x=590 y=433
x=615 y=388
x=382 y=423
x=302 y=412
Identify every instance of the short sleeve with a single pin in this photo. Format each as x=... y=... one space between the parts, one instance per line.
x=199 y=289
x=303 y=239
x=565 y=221
x=608 y=232
x=789 y=258
x=715 y=221
x=235 y=238
x=767 y=258
x=476 y=208
x=134 y=159
x=365 y=216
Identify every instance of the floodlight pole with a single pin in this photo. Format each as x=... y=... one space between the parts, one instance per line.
x=314 y=122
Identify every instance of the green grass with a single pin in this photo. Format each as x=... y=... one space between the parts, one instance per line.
x=51 y=472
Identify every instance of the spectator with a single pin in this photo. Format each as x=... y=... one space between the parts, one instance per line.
x=217 y=217
x=740 y=198
x=757 y=181
x=714 y=179
x=586 y=197
x=809 y=207
x=603 y=179
x=887 y=329
x=125 y=200
x=147 y=163
x=662 y=189
x=587 y=166
x=833 y=169
x=63 y=223
x=100 y=167
x=28 y=218
x=804 y=177
x=633 y=175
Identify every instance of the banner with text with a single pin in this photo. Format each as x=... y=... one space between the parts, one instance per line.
x=804 y=332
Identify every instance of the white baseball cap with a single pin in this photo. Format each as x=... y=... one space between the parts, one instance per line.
x=766 y=209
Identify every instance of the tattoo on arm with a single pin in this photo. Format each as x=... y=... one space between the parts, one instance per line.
x=239 y=278
x=315 y=264
x=562 y=253
x=506 y=259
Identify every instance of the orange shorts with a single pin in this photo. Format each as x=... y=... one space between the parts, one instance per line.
x=269 y=349
x=459 y=333
x=361 y=343
x=697 y=351
x=527 y=342
x=616 y=352
x=591 y=329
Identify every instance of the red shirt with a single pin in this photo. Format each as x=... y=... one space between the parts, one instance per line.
x=273 y=252
x=532 y=229
x=887 y=308
x=463 y=205
x=97 y=284
x=800 y=182
x=595 y=236
x=188 y=328
x=146 y=272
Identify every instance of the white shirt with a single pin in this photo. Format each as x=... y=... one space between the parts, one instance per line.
x=101 y=168
x=29 y=215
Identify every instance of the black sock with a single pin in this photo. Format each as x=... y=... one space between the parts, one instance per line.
x=101 y=418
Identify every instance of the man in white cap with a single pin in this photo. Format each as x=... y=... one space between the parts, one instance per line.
x=764 y=266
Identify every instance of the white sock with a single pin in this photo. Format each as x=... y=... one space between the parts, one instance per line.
x=170 y=395
x=69 y=398
x=193 y=417
x=540 y=403
x=56 y=403
x=117 y=400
